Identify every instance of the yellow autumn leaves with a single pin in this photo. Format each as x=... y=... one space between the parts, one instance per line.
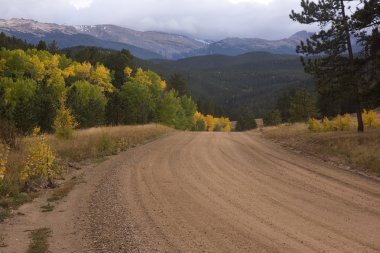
x=210 y=123
x=343 y=123
x=41 y=160
x=38 y=65
x=40 y=163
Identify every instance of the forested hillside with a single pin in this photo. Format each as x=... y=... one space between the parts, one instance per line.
x=252 y=81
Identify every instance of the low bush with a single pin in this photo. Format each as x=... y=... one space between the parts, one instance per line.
x=41 y=164
x=370 y=119
x=315 y=125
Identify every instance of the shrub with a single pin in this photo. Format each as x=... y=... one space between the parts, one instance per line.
x=327 y=125
x=273 y=119
x=339 y=123
x=342 y=123
x=315 y=125
x=41 y=164
x=246 y=122
x=370 y=119
x=200 y=125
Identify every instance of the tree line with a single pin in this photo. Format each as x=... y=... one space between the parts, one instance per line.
x=33 y=82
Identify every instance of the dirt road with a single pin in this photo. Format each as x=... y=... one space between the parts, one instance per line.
x=230 y=192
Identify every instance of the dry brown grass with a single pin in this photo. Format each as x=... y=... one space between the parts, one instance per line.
x=361 y=150
x=103 y=141
x=87 y=144
x=94 y=143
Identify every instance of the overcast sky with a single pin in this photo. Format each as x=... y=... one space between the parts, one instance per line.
x=203 y=19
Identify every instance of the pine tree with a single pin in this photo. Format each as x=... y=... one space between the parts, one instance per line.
x=53 y=47
x=41 y=45
x=177 y=83
x=334 y=69
x=366 y=20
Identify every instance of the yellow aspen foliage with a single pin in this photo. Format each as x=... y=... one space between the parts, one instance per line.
x=82 y=70
x=128 y=71
x=68 y=71
x=327 y=125
x=342 y=123
x=101 y=77
x=210 y=123
x=37 y=68
x=198 y=116
x=370 y=119
x=339 y=123
x=41 y=162
x=142 y=77
x=56 y=79
x=4 y=151
x=52 y=62
x=64 y=122
x=315 y=125
x=199 y=120
x=226 y=124
x=163 y=85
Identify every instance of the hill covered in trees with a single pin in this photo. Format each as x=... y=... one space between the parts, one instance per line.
x=251 y=81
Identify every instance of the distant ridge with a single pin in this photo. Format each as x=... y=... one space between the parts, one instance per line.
x=145 y=45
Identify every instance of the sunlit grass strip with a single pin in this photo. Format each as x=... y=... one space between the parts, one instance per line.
x=39 y=240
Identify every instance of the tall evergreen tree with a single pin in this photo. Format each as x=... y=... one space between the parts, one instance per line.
x=366 y=20
x=177 y=83
x=53 y=47
x=41 y=45
x=334 y=69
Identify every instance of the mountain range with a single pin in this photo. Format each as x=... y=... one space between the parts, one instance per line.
x=144 y=45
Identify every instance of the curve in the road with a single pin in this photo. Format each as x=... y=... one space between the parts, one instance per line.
x=233 y=192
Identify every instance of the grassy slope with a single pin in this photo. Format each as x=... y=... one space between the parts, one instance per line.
x=360 y=150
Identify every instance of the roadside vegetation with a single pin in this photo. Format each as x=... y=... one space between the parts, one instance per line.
x=335 y=139
x=55 y=111
x=39 y=160
x=347 y=83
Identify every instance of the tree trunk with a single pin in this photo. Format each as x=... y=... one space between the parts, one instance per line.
x=359 y=117
x=351 y=58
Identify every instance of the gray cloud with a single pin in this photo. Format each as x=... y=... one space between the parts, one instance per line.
x=206 y=19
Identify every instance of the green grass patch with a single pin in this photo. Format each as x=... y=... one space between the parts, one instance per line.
x=11 y=198
x=48 y=207
x=4 y=213
x=39 y=240
x=62 y=191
